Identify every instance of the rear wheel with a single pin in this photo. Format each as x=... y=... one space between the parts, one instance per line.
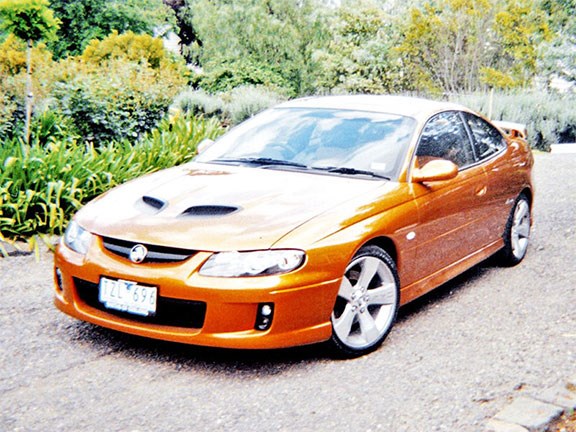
x=517 y=233
x=367 y=303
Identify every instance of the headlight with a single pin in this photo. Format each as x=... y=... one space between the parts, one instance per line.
x=257 y=263
x=77 y=238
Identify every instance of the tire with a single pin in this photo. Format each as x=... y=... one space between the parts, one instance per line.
x=367 y=303
x=516 y=234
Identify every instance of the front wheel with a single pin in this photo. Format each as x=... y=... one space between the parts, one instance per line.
x=367 y=303
x=517 y=233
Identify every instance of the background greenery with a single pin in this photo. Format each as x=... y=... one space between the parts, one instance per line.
x=110 y=102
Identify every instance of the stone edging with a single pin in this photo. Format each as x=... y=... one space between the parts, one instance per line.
x=536 y=412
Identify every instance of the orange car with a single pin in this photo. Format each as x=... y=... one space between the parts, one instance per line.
x=313 y=221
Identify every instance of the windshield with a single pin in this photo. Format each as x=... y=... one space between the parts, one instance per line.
x=335 y=141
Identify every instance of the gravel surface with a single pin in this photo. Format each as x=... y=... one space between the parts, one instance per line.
x=454 y=359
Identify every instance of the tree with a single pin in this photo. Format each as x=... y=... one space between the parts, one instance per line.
x=359 y=55
x=520 y=29
x=457 y=45
x=189 y=40
x=85 y=20
x=267 y=42
x=445 y=43
x=31 y=21
x=559 y=53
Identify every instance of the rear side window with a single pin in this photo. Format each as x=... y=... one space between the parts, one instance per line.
x=487 y=140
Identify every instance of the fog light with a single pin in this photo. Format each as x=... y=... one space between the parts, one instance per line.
x=58 y=279
x=264 y=316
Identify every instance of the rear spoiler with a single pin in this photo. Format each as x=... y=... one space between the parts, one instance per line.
x=515 y=130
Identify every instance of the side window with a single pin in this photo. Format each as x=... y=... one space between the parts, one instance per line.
x=487 y=139
x=445 y=136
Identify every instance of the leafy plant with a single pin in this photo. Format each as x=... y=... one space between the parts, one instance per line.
x=42 y=186
x=86 y=20
x=122 y=100
x=129 y=46
x=13 y=77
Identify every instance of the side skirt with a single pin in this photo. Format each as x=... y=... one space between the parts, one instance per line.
x=421 y=287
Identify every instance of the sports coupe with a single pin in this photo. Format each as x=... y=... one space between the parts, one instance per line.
x=313 y=221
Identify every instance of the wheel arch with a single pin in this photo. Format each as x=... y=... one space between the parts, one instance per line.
x=529 y=194
x=387 y=244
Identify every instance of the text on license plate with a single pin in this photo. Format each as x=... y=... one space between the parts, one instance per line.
x=127 y=296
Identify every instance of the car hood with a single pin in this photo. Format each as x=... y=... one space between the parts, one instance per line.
x=216 y=207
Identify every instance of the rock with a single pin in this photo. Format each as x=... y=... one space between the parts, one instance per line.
x=530 y=413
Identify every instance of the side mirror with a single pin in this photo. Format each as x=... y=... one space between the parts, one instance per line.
x=204 y=144
x=435 y=170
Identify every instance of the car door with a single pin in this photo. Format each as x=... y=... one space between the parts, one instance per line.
x=450 y=211
x=490 y=150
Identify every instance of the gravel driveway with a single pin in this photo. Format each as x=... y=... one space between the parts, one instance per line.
x=454 y=359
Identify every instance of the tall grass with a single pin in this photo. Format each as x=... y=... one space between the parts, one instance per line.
x=41 y=186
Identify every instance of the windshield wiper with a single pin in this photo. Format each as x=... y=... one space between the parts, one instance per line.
x=351 y=171
x=261 y=161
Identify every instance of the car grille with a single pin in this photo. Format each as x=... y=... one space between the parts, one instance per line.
x=169 y=311
x=156 y=254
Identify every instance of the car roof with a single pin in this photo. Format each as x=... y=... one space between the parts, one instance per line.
x=401 y=105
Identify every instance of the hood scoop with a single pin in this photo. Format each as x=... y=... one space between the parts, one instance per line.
x=156 y=203
x=149 y=205
x=209 y=210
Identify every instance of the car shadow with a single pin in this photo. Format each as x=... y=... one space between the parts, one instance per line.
x=183 y=356
x=247 y=362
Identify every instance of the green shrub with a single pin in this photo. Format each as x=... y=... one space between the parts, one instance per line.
x=230 y=107
x=41 y=186
x=128 y=46
x=120 y=88
x=198 y=102
x=48 y=125
x=121 y=100
x=12 y=56
x=550 y=118
x=245 y=72
x=246 y=101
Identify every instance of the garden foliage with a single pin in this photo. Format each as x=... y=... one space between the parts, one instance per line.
x=29 y=20
x=230 y=107
x=41 y=186
x=86 y=20
x=550 y=118
x=120 y=88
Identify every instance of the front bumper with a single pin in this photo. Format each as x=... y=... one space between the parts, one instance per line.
x=217 y=312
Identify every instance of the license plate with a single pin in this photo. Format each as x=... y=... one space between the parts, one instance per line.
x=126 y=296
